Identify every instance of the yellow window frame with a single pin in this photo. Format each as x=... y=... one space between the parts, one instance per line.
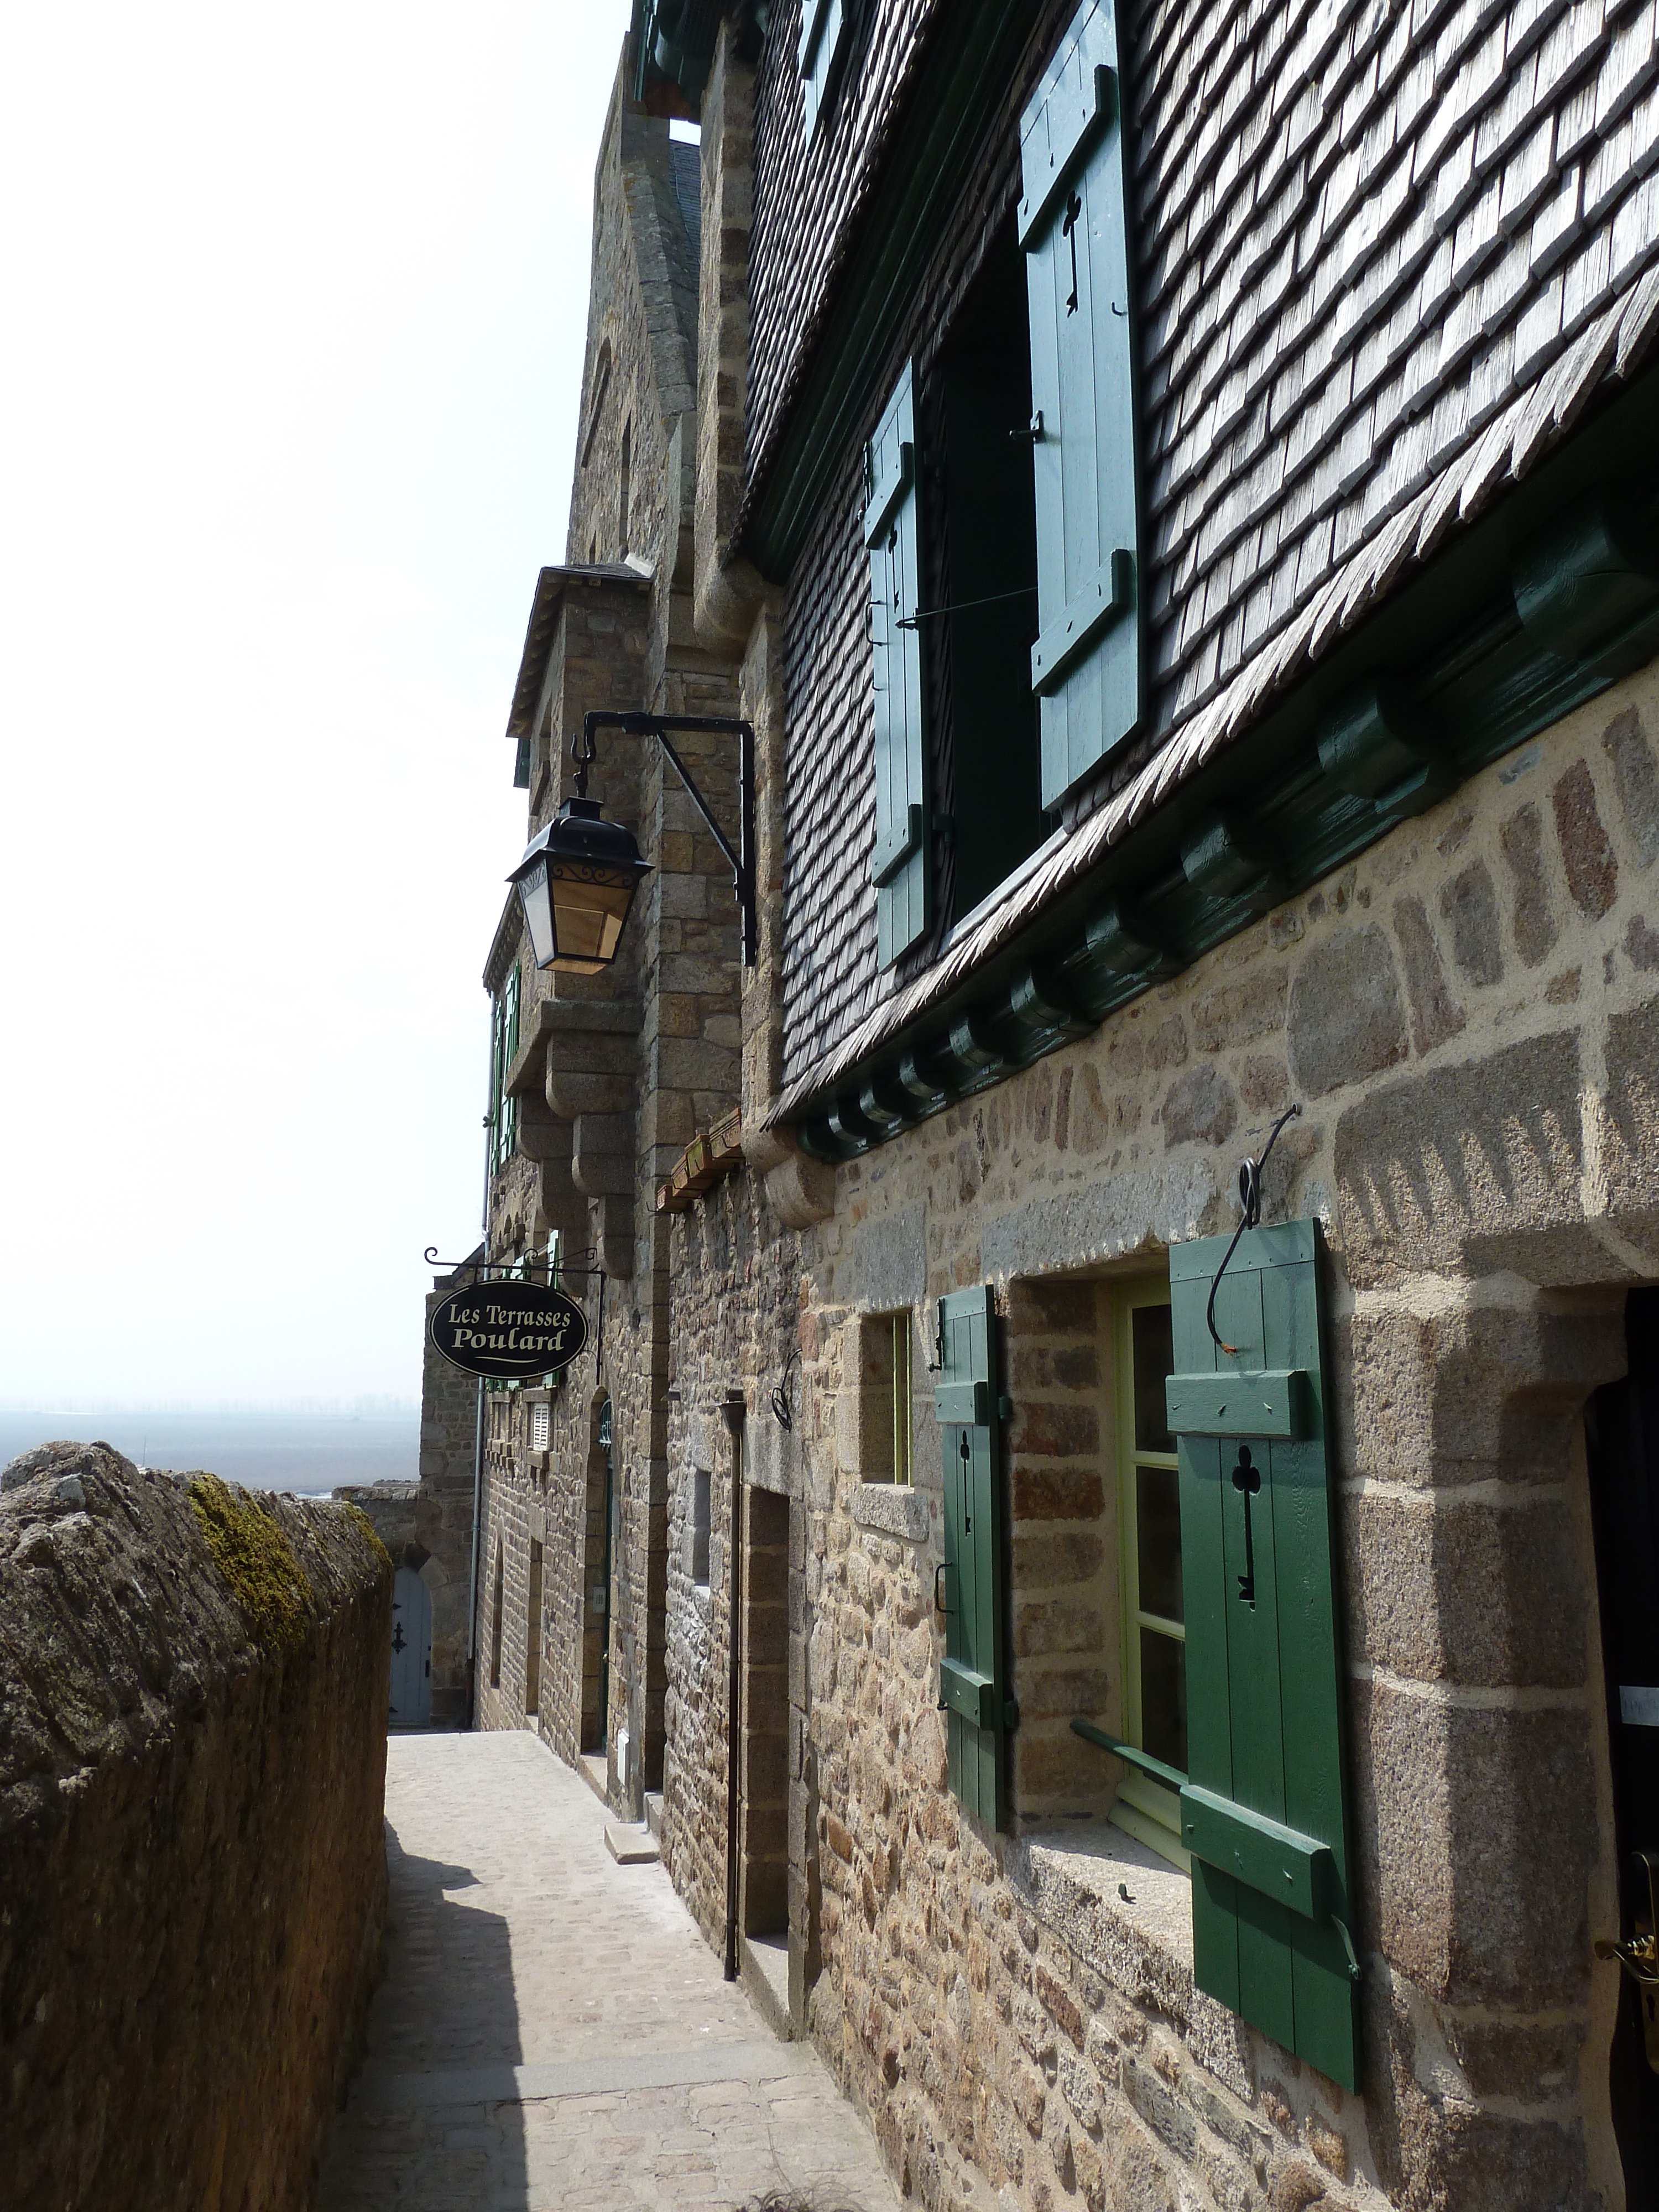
x=1145 y=1807
x=903 y=1412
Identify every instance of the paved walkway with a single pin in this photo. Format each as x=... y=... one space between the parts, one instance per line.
x=553 y=2034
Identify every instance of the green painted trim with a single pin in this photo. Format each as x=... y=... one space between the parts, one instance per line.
x=1131 y=1754
x=1297 y=1870
x=1232 y=1403
x=1454 y=671
x=964 y=81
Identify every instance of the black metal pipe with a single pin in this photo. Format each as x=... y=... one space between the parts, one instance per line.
x=734 y=1583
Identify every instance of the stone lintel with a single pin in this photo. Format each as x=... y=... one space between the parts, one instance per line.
x=893 y=1508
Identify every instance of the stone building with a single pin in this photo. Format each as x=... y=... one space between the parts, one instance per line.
x=427 y=1527
x=1110 y=1489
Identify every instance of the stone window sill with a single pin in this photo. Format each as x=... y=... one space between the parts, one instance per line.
x=1069 y=1877
x=894 y=1509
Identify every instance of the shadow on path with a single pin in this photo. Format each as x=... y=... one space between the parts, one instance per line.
x=446 y=2003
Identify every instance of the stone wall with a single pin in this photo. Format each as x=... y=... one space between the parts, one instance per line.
x=1468 y=1019
x=192 y=1872
x=619 y=1072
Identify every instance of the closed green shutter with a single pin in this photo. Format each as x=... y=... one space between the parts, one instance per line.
x=899 y=864
x=973 y=1674
x=1087 y=664
x=1263 y=1810
x=823 y=32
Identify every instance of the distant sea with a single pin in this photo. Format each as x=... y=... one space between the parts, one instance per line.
x=307 y=1453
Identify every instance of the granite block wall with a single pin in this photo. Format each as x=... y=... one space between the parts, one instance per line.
x=1466 y=1016
x=192 y=1867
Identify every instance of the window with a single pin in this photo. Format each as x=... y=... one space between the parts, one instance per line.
x=495 y=1624
x=982 y=577
x=1002 y=519
x=902 y=1432
x=1154 y=1616
x=541 y=1427
x=886 y=1412
x=504 y=1051
x=624 y=488
x=699 y=1526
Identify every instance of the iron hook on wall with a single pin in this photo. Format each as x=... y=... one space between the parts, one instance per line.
x=780 y=1406
x=1249 y=1197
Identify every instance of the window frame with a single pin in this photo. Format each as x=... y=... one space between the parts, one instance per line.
x=1145 y=1809
x=904 y=1411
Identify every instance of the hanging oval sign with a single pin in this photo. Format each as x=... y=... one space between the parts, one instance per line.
x=509 y=1331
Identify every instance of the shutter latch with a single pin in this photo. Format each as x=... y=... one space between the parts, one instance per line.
x=1249 y=1197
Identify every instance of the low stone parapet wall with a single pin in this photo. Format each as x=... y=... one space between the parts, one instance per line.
x=192 y=1864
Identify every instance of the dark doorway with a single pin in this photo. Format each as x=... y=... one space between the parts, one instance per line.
x=532 y=1634
x=1622 y=1435
x=605 y=1606
x=764 y=1840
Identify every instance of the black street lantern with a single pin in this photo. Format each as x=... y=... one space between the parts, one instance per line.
x=578 y=876
x=576 y=883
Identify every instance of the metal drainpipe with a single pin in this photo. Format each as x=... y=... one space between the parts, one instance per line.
x=733 y=1410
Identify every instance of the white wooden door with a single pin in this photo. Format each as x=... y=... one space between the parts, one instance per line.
x=412 y=1650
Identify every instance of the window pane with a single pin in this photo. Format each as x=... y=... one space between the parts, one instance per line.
x=1154 y=1359
x=1158 y=1540
x=1163 y=1698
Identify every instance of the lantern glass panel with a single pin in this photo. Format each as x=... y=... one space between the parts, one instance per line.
x=538 y=906
x=590 y=906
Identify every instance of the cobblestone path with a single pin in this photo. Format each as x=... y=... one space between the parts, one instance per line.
x=552 y=2033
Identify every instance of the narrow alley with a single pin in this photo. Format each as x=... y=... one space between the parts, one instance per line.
x=552 y=2032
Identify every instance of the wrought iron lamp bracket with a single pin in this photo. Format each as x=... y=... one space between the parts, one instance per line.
x=584 y=752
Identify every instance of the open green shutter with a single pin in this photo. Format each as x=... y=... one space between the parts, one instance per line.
x=823 y=32
x=973 y=1673
x=1263 y=1811
x=509 y=1054
x=899 y=864
x=1087 y=665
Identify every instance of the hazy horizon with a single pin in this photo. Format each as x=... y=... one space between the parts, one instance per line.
x=308 y=1453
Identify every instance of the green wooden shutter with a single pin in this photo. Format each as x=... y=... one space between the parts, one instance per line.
x=509 y=1054
x=973 y=1674
x=1087 y=665
x=494 y=1132
x=1263 y=1811
x=824 y=25
x=899 y=865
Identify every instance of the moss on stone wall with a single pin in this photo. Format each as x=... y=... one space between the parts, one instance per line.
x=371 y=1532
x=253 y=1554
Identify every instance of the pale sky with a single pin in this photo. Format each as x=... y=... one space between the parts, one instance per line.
x=292 y=306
